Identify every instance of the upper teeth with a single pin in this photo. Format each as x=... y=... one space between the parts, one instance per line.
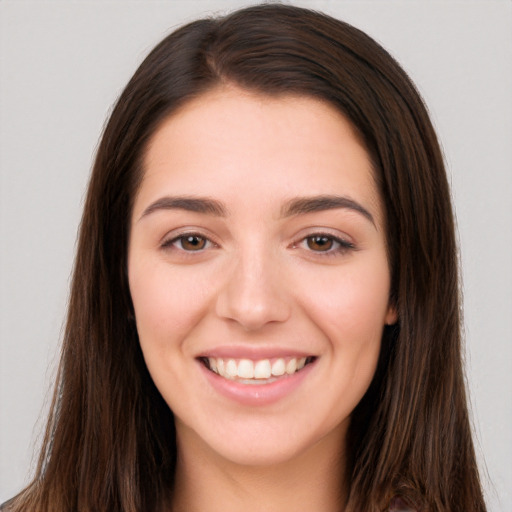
x=262 y=369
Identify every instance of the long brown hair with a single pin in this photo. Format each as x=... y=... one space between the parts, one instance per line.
x=110 y=443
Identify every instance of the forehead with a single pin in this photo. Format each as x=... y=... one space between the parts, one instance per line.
x=268 y=146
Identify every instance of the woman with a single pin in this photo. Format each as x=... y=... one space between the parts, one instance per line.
x=264 y=311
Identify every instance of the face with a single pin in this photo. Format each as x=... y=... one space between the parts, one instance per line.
x=258 y=272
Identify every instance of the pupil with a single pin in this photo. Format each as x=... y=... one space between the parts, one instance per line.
x=193 y=242
x=320 y=243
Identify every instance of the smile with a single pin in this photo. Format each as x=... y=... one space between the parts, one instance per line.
x=263 y=371
x=255 y=380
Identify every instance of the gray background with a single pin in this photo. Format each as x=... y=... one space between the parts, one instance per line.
x=62 y=65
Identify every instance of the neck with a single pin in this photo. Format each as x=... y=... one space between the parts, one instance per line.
x=312 y=481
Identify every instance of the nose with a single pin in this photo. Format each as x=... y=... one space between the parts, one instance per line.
x=254 y=293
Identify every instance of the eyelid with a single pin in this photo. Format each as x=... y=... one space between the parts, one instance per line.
x=171 y=238
x=344 y=243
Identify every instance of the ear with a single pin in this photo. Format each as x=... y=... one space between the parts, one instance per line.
x=391 y=315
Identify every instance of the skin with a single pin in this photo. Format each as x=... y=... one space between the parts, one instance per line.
x=255 y=279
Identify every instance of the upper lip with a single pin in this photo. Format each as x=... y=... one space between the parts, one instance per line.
x=253 y=352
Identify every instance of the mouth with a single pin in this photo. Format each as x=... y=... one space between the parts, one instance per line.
x=256 y=372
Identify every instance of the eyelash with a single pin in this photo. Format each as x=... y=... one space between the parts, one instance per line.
x=172 y=243
x=342 y=246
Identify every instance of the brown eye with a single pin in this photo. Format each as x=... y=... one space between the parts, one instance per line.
x=320 y=243
x=192 y=242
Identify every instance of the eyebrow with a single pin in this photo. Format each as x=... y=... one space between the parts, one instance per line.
x=190 y=204
x=304 y=205
x=295 y=206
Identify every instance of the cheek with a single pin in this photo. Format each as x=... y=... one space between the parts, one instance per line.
x=352 y=299
x=166 y=303
x=349 y=307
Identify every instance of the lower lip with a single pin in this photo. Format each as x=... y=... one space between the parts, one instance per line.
x=257 y=394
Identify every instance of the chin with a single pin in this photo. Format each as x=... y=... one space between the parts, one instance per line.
x=261 y=455
x=264 y=443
